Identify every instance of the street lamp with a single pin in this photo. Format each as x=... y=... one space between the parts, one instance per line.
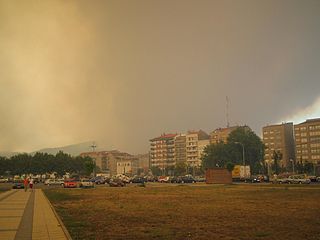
x=243 y=159
x=291 y=160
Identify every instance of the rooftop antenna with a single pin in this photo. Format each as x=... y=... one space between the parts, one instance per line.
x=227 y=111
x=93 y=146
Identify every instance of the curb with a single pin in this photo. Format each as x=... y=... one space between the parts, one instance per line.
x=64 y=229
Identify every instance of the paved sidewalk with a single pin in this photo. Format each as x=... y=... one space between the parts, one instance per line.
x=28 y=215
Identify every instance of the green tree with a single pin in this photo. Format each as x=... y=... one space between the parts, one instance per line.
x=215 y=155
x=156 y=171
x=244 y=139
x=277 y=156
x=241 y=140
x=230 y=166
x=180 y=169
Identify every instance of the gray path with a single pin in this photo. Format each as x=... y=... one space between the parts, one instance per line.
x=29 y=215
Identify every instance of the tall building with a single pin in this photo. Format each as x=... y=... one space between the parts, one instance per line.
x=202 y=144
x=162 y=151
x=307 y=138
x=193 y=152
x=222 y=134
x=180 y=148
x=279 y=138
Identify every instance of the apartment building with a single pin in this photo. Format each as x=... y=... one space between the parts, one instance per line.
x=108 y=161
x=279 y=138
x=222 y=134
x=180 y=148
x=307 y=139
x=202 y=144
x=195 y=141
x=162 y=153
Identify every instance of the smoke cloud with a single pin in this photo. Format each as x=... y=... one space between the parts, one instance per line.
x=122 y=72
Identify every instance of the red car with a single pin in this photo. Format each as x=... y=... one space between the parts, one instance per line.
x=70 y=183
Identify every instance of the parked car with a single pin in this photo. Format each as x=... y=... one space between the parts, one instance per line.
x=318 y=179
x=70 y=183
x=138 y=180
x=4 y=180
x=116 y=182
x=187 y=179
x=312 y=178
x=18 y=184
x=175 y=180
x=151 y=178
x=259 y=178
x=49 y=182
x=280 y=180
x=123 y=178
x=98 y=180
x=163 y=179
x=200 y=179
x=86 y=183
x=298 y=179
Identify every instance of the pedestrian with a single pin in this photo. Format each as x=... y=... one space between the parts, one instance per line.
x=31 y=184
x=26 y=183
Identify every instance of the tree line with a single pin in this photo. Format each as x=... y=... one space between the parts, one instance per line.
x=42 y=163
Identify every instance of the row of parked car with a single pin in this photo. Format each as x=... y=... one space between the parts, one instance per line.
x=296 y=179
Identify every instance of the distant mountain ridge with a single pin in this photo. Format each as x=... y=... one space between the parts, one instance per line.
x=73 y=150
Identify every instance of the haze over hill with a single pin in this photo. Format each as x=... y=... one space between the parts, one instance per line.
x=74 y=149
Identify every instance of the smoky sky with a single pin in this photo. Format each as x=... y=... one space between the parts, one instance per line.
x=124 y=71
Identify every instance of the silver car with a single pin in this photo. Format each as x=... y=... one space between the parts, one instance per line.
x=298 y=179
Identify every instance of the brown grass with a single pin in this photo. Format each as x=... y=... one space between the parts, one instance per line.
x=190 y=212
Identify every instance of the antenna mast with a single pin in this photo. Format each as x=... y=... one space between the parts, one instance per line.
x=227 y=111
x=93 y=146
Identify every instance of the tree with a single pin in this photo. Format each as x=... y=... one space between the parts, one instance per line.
x=156 y=171
x=253 y=148
x=277 y=156
x=241 y=140
x=215 y=155
x=230 y=166
x=180 y=169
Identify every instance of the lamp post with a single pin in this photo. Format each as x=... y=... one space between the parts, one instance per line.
x=93 y=146
x=291 y=160
x=243 y=159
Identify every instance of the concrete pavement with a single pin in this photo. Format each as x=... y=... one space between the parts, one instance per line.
x=29 y=215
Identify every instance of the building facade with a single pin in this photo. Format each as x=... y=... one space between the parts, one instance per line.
x=307 y=139
x=180 y=148
x=107 y=161
x=221 y=134
x=195 y=141
x=127 y=166
x=162 y=153
x=279 y=138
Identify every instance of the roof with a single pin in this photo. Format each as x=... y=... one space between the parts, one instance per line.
x=314 y=120
x=164 y=137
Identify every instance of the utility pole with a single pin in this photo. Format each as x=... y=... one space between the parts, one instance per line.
x=227 y=111
x=93 y=146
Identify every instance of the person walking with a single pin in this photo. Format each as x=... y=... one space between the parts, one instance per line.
x=26 y=183
x=31 y=184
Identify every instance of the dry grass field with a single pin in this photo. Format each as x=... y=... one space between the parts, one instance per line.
x=165 y=211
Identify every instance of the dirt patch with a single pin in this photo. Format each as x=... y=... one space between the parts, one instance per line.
x=190 y=212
